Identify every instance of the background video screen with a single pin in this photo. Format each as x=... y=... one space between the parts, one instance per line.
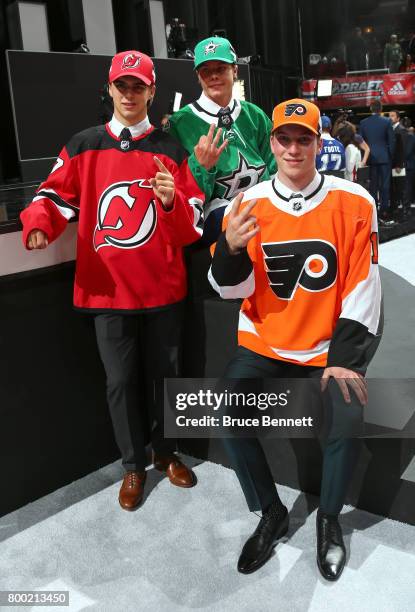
x=56 y=95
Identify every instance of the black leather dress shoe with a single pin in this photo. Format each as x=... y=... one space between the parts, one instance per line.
x=331 y=551
x=258 y=548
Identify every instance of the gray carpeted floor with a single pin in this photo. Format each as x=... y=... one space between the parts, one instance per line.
x=178 y=552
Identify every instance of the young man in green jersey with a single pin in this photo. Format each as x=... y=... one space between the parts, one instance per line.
x=239 y=156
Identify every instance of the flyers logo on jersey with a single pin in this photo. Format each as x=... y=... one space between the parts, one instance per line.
x=132 y=60
x=310 y=264
x=126 y=215
x=295 y=109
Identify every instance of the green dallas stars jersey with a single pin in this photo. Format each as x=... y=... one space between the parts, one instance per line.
x=246 y=161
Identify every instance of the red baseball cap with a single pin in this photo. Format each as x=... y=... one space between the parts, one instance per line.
x=132 y=63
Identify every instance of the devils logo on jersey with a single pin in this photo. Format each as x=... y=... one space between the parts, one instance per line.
x=126 y=215
x=131 y=60
x=310 y=264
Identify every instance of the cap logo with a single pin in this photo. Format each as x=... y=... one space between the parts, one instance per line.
x=211 y=47
x=132 y=60
x=295 y=109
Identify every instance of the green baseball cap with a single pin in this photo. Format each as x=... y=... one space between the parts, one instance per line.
x=214 y=48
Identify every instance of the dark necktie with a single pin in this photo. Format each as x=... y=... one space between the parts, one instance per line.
x=125 y=138
x=224 y=118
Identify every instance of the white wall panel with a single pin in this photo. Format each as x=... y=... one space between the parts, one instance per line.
x=34 y=26
x=99 y=26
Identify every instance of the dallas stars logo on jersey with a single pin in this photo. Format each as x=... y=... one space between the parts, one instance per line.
x=243 y=177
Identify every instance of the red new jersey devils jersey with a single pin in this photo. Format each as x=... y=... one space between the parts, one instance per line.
x=129 y=250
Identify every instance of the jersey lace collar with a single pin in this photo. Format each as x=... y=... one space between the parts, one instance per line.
x=286 y=193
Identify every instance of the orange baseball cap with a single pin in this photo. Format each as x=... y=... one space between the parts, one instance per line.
x=297 y=112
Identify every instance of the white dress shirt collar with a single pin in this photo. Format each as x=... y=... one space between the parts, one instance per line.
x=210 y=106
x=136 y=130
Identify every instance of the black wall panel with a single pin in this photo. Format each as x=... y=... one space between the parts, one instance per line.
x=55 y=425
x=70 y=85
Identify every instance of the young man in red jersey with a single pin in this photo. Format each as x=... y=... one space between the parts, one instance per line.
x=301 y=250
x=138 y=205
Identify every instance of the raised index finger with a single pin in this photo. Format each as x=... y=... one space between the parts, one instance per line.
x=160 y=165
x=210 y=133
x=236 y=204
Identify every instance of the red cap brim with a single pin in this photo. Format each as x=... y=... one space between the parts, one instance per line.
x=132 y=73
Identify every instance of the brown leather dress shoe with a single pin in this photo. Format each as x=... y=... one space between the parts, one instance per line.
x=132 y=490
x=177 y=472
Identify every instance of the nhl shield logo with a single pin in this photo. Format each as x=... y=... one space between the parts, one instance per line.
x=125 y=144
x=297 y=201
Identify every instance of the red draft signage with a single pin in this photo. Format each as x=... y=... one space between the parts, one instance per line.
x=352 y=91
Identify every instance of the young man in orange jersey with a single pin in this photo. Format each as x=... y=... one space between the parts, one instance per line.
x=301 y=250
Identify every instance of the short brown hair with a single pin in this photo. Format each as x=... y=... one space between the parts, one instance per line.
x=376 y=106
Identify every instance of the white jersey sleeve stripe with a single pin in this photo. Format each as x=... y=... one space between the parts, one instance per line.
x=240 y=291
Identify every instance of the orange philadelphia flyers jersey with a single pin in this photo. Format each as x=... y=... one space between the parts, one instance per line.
x=309 y=278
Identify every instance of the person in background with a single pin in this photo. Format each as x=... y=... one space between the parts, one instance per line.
x=378 y=133
x=357 y=51
x=340 y=122
x=409 y=65
x=409 y=197
x=244 y=157
x=331 y=158
x=398 y=180
x=375 y=52
x=361 y=144
x=346 y=135
x=392 y=54
x=138 y=206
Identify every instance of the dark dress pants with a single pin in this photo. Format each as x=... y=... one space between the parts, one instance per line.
x=138 y=351
x=340 y=451
x=398 y=184
x=380 y=180
x=409 y=187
